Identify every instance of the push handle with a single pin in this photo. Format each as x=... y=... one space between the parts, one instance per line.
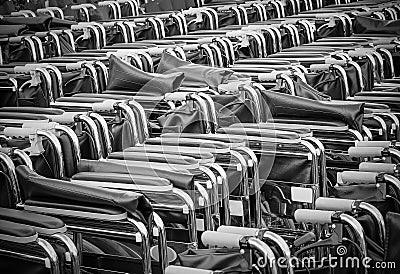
x=244 y=231
x=65 y=118
x=177 y=96
x=313 y=216
x=231 y=86
x=324 y=203
x=40 y=125
x=271 y=76
x=74 y=66
x=332 y=61
x=373 y=144
x=18 y=132
x=22 y=69
x=190 y=47
x=155 y=51
x=236 y=33
x=320 y=67
x=206 y=40
x=378 y=167
x=219 y=239
x=358 y=177
x=364 y=152
x=105 y=106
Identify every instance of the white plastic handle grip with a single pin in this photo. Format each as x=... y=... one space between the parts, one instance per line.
x=22 y=69
x=74 y=66
x=377 y=167
x=18 y=132
x=205 y=40
x=268 y=77
x=105 y=106
x=155 y=51
x=190 y=47
x=17 y=39
x=176 y=96
x=231 y=86
x=235 y=33
x=358 y=177
x=191 y=11
x=373 y=144
x=173 y=269
x=244 y=231
x=320 y=67
x=220 y=239
x=65 y=118
x=362 y=152
x=354 y=53
x=36 y=65
x=40 y=125
x=324 y=203
x=332 y=61
x=313 y=216
x=108 y=24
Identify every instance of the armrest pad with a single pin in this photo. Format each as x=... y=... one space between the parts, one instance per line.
x=14 y=232
x=154 y=157
x=265 y=133
x=202 y=155
x=182 y=179
x=301 y=130
x=225 y=138
x=140 y=181
x=188 y=142
x=35 y=187
x=41 y=223
x=33 y=110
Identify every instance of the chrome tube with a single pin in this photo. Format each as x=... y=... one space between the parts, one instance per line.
x=130 y=116
x=162 y=241
x=145 y=244
x=12 y=175
x=104 y=129
x=74 y=140
x=357 y=230
x=224 y=192
x=192 y=227
x=282 y=245
x=51 y=255
x=266 y=251
x=72 y=250
x=207 y=206
x=94 y=132
x=59 y=153
x=376 y=214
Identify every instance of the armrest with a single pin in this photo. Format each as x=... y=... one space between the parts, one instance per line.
x=203 y=156
x=36 y=187
x=14 y=232
x=23 y=116
x=225 y=138
x=196 y=144
x=33 y=110
x=311 y=124
x=122 y=181
x=182 y=179
x=265 y=133
x=154 y=157
x=300 y=130
x=40 y=223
